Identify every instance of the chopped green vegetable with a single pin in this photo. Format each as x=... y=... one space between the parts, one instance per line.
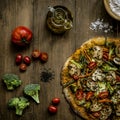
x=80 y=102
x=87 y=105
x=19 y=103
x=11 y=81
x=32 y=91
x=107 y=68
x=77 y=64
x=110 y=88
x=73 y=88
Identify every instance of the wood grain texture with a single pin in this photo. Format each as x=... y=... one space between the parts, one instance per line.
x=32 y=13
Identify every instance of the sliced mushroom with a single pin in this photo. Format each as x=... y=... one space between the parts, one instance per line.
x=73 y=70
x=98 y=75
x=95 y=106
x=111 y=77
x=118 y=109
x=97 y=52
x=116 y=60
x=105 y=112
x=92 y=85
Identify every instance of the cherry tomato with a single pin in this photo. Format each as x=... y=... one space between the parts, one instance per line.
x=75 y=77
x=105 y=56
x=89 y=95
x=56 y=101
x=44 y=57
x=92 y=65
x=27 y=60
x=117 y=78
x=23 y=67
x=21 y=36
x=79 y=94
x=52 y=109
x=96 y=114
x=35 y=53
x=103 y=94
x=18 y=58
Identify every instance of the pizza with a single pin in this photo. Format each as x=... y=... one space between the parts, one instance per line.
x=90 y=79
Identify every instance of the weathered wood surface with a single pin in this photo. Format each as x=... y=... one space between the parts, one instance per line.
x=32 y=13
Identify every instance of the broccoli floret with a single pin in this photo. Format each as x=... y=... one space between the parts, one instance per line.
x=19 y=103
x=11 y=81
x=32 y=91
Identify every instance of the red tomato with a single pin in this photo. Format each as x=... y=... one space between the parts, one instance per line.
x=92 y=65
x=18 y=58
x=89 y=95
x=117 y=78
x=103 y=94
x=35 y=53
x=96 y=114
x=56 y=101
x=52 y=109
x=75 y=77
x=105 y=56
x=79 y=94
x=23 y=67
x=44 y=57
x=21 y=36
x=27 y=60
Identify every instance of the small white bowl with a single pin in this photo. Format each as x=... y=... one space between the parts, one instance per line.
x=110 y=12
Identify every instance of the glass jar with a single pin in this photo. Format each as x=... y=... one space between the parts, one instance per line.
x=59 y=19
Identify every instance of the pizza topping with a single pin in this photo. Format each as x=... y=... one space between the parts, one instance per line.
x=73 y=88
x=92 y=85
x=105 y=56
x=110 y=88
x=101 y=87
x=116 y=97
x=92 y=65
x=103 y=94
x=73 y=70
x=116 y=60
x=111 y=77
x=80 y=97
x=96 y=114
x=105 y=100
x=79 y=94
x=118 y=110
x=89 y=95
x=95 y=106
x=98 y=75
x=117 y=78
x=97 y=52
x=117 y=50
x=105 y=112
x=108 y=67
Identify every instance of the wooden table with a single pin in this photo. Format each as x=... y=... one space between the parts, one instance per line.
x=32 y=13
